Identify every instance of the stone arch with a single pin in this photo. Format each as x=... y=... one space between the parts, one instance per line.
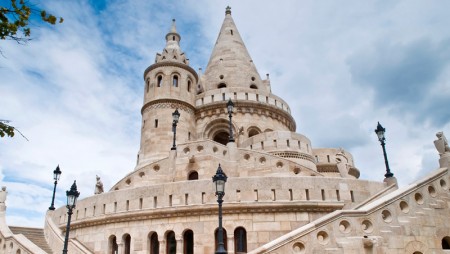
x=416 y=247
x=175 y=79
x=240 y=240
x=159 y=79
x=221 y=85
x=253 y=131
x=446 y=243
x=188 y=241
x=171 y=242
x=112 y=244
x=126 y=240
x=193 y=175
x=153 y=243
x=218 y=130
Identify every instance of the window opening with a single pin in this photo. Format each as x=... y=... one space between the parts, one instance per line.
x=175 y=81
x=193 y=176
x=159 y=83
x=240 y=240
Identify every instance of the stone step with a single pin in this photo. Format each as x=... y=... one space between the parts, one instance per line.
x=35 y=235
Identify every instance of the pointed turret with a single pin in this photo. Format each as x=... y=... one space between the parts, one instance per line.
x=170 y=84
x=172 y=52
x=230 y=64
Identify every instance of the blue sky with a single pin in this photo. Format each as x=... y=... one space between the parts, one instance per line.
x=75 y=90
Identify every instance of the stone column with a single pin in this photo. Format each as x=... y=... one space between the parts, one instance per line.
x=230 y=243
x=120 y=248
x=180 y=245
x=162 y=246
x=172 y=161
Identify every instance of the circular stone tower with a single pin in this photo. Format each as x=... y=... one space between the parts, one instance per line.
x=170 y=83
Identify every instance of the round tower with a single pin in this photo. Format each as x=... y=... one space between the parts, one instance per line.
x=169 y=84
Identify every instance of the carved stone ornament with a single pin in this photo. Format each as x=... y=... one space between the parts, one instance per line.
x=441 y=144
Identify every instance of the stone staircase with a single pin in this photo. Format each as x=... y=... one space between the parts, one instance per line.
x=36 y=235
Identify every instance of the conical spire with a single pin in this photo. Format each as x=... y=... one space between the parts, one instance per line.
x=230 y=64
x=172 y=52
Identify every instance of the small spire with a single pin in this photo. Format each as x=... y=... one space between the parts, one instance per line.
x=228 y=10
x=174 y=27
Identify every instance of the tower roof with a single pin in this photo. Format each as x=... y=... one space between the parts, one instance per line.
x=172 y=52
x=230 y=63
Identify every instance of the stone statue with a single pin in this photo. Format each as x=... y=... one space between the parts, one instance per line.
x=3 y=193
x=98 y=186
x=441 y=143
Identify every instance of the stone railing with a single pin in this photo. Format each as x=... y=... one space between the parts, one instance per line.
x=375 y=226
x=11 y=243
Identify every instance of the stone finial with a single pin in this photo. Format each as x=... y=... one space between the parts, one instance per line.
x=173 y=29
x=441 y=143
x=98 y=186
x=228 y=10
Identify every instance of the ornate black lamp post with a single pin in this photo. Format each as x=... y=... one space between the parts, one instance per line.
x=230 y=106
x=56 y=174
x=380 y=133
x=175 y=117
x=72 y=196
x=219 y=179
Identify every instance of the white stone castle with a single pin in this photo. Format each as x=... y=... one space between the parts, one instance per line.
x=282 y=194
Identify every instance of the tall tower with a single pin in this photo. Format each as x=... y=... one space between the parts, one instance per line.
x=169 y=84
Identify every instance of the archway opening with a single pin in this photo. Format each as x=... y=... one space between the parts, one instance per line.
x=193 y=176
x=188 y=242
x=446 y=243
x=112 y=246
x=221 y=137
x=127 y=244
x=171 y=243
x=154 y=243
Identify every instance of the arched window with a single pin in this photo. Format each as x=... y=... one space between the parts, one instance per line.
x=159 y=82
x=193 y=176
x=446 y=243
x=173 y=38
x=240 y=240
x=222 y=85
x=188 y=242
x=18 y=251
x=189 y=86
x=171 y=243
x=147 y=85
x=175 y=81
x=154 y=243
x=253 y=86
x=113 y=248
x=216 y=235
x=127 y=244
